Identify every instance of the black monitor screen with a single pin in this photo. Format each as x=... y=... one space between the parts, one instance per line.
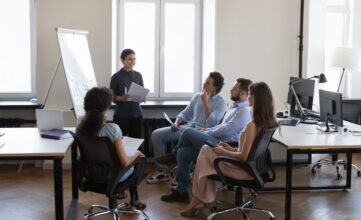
x=304 y=90
x=351 y=109
x=331 y=107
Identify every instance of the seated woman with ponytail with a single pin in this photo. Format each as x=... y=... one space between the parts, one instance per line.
x=96 y=103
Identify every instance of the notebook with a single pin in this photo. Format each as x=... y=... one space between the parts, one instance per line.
x=289 y=122
x=55 y=134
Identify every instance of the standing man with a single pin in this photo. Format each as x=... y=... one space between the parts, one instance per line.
x=205 y=110
x=192 y=140
x=128 y=114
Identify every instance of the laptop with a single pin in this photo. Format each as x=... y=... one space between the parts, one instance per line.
x=49 y=119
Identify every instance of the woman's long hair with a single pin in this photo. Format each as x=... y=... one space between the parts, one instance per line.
x=96 y=101
x=263 y=106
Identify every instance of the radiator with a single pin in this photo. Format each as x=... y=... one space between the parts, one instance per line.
x=148 y=126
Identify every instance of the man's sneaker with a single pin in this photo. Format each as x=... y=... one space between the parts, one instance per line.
x=158 y=177
x=176 y=196
x=168 y=159
x=173 y=185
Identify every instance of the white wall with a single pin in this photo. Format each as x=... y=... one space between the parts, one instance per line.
x=91 y=15
x=257 y=39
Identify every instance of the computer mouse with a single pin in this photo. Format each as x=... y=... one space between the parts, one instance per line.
x=279 y=114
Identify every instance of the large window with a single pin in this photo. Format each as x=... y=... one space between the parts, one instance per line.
x=338 y=32
x=17 y=49
x=166 y=36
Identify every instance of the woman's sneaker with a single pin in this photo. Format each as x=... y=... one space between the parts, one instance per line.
x=158 y=177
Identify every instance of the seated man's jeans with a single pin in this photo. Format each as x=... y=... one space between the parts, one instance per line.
x=187 y=150
x=159 y=139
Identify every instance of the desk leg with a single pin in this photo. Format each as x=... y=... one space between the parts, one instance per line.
x=58 y=188
x=288 y=186
x=74 y=170
x=348 y=170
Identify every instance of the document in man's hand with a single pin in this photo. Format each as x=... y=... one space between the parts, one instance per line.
x=167 y=118
x=55 y=134
x=137 y=93
x=131 y=145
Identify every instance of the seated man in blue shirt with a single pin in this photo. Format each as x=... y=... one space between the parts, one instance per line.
x=191 y=141
x=205 y=110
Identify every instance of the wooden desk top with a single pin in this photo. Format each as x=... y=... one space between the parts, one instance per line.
x=305 y=136
x=26 y=142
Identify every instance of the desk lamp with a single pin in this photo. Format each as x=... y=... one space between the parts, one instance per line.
x=346 y=58
x=321 y=79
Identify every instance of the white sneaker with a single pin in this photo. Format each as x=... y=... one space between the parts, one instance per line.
x=173 y=185
x=158 y=177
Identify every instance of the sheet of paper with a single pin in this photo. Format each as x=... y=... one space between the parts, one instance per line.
x=137 y=93
x=167 y=118
x=131 y=145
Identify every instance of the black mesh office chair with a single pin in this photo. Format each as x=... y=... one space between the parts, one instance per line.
x=336 y=162
x=351 y=112
x=258 y=165
x=99 y=170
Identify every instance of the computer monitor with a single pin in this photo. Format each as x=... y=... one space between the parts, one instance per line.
x=304 y=90
x=351 y=109
x=331 y=107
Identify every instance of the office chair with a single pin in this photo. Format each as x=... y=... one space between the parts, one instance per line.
x=334 y=161
x=258 y=165
x=99 y=170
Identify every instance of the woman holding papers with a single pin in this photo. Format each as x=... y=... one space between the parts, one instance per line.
x=128 y=114
x=96 y=104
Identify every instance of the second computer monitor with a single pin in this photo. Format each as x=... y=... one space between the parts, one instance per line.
x=331 y=107
x=304 y=89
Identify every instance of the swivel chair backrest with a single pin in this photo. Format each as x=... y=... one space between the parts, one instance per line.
x=98 y=158
x=260 y=158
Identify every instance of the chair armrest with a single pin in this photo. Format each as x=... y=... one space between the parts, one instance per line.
x=248 y=166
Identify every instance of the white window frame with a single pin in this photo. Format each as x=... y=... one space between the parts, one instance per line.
x=159 y=92
x=26 y=96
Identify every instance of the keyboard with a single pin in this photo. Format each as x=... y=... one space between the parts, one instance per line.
x=313 y=114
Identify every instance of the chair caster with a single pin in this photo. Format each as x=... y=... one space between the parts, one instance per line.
x=358 y=173
x=339 y=176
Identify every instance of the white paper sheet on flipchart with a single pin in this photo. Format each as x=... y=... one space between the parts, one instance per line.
x=137 y=93
x=167 y=118
x=131 y=145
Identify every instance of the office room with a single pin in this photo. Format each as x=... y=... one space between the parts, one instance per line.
x=260 y=40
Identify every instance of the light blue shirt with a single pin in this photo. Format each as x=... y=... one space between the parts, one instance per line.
x=236 y=118
x=194 y=114
x=113 y=132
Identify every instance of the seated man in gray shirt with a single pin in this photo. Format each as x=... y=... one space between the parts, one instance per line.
x=204 y=110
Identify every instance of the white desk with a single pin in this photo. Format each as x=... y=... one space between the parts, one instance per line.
x=26 y=144
x=303 y=139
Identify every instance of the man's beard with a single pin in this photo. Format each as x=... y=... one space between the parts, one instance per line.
x=235 y=98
